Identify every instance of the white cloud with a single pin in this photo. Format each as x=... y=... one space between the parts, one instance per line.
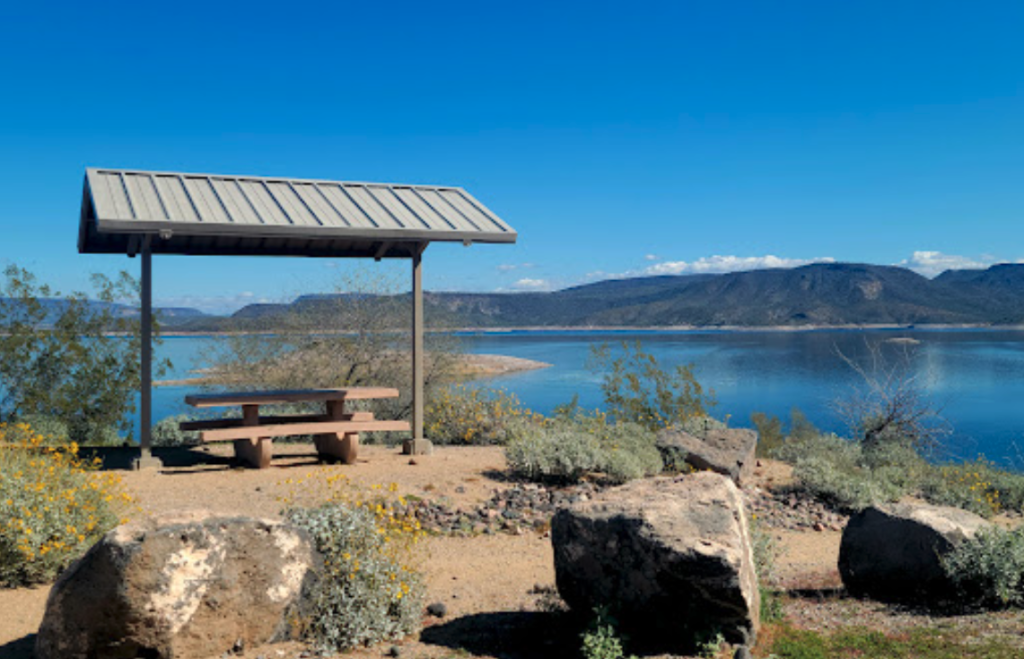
x=509 y=267
x=930 y=263
x=532 y=285
x=651 y=257
x=719 y=264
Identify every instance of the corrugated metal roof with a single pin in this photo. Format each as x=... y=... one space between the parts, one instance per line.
x=216 y=214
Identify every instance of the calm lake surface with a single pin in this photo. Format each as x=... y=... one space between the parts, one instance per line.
x=976 y=377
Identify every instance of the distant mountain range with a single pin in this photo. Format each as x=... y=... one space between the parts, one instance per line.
x=169 y=317
x=812 y=295
x=817 y=294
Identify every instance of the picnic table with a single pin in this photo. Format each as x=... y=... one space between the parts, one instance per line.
x=335 y=433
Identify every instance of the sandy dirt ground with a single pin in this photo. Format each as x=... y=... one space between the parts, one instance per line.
x=496 y=587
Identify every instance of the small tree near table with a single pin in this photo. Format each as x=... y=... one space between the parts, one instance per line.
x=69 y=361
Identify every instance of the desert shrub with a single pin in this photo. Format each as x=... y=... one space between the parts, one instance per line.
x=601 y=639
x=472 y=415
x=770 y=435
x=367 y=590
x=978 y=486
x=560 y=453
x=565 y=449
x=899 y=466
x=53 y=505
x=989 y=568
x=52 y=429
x=838 y=472
x=1008 y=488
x=638 y=390
x=701 y=425
x=98 y=434
x=167 y=433
x=765 y=551
x=629 y=452
x=851 y=475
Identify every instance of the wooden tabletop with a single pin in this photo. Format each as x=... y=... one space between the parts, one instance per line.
x=289 y=396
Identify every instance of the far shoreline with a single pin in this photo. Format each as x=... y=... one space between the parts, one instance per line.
x=624 y=329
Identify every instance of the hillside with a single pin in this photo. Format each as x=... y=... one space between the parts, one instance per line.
x=169 y=317
x=817 y=294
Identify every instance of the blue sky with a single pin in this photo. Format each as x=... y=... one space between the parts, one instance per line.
x=617 y=138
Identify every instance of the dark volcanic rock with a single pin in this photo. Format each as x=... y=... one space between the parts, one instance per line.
x=180 y=585
x=893 y=553
x=727 y=451
x=671 y=556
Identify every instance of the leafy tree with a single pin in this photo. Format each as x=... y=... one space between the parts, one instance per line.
x=69 y=359
x=637 y=389
x=359 y=335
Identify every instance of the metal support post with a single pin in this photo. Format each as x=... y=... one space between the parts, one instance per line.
x=418 y=445
x=146 y=459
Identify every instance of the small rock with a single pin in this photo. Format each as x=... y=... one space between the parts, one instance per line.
x=460 y=490
x=819 y=527
x=394 y=651
x=437 y=609
x=238 y=647
x=412 y=461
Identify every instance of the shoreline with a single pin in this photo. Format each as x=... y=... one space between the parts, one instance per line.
x=663 y=328
x=472 y=366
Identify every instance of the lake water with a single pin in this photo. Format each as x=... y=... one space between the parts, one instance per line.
x=976 y=377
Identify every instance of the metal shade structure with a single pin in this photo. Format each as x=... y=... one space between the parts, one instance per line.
x=145 y=212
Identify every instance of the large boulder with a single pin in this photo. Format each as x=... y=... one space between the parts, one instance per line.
x=894 y=552
x=179 y=585
x=727 y=451
x=670 y=557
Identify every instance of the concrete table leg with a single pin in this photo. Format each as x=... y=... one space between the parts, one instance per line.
x=343 y=447
x=255 y=452
x=340 y=446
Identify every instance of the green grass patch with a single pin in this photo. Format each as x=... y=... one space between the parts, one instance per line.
x=862 y=643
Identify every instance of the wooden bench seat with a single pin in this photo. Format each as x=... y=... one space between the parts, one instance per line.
x=238 y=422
x=313 y=428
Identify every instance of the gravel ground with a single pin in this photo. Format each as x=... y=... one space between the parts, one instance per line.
x=489 y=558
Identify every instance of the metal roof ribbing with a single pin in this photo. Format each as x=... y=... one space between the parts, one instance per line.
x=217 y=214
